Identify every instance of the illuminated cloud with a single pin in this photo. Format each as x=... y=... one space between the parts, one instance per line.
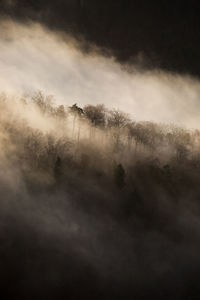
x=35 y=58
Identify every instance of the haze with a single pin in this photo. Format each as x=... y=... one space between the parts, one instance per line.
x=35 y=58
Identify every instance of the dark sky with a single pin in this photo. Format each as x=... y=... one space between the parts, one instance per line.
x=163 y=34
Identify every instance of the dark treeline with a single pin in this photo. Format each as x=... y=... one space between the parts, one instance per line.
x=95 y=204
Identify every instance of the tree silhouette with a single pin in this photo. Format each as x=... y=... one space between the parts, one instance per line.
x=95 y=114
x=119 y=176
x=75 y=109
x=58 y=169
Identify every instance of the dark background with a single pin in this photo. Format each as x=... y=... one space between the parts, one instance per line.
x=159 y=34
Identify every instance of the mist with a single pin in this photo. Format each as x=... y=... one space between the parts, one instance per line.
x=99 y=173
x=36 y=58
x=96 y=203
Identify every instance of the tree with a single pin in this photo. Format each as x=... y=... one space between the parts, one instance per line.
x=118 y=119
x=60 y=112
x=45 y=104
x=95 y=114
x=75 y=109
x=58 y=169
x=119 y=176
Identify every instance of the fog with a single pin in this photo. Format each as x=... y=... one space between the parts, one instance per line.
x=35 y=58
x=94 y=202
x=109 y=209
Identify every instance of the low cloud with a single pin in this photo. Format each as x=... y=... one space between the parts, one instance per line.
x=35 y=58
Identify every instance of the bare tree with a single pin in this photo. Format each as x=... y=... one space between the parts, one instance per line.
x=117 y=121
x=44 y=103
x=117 y=118
x=77 y=113
x=95 y=114
x=60 y=112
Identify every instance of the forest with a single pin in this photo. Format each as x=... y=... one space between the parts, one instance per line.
x=95 y=204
